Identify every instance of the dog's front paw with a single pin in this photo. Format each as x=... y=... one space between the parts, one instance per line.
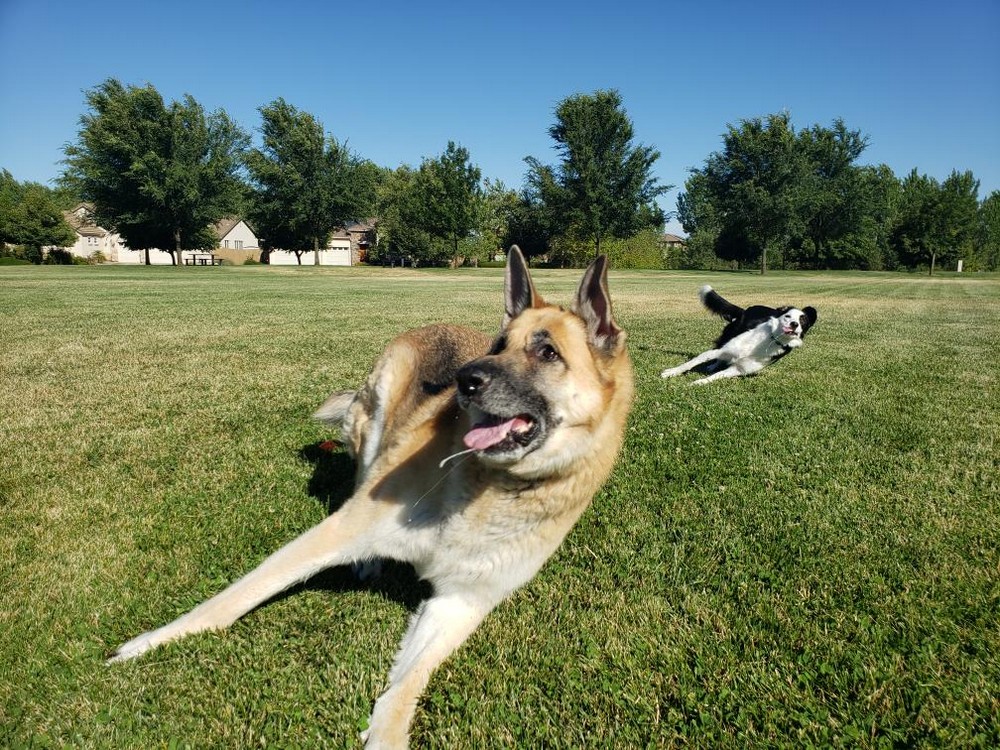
x=130 y=650
x=671 y=372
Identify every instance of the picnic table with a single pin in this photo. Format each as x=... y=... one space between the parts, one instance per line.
x=203 y=259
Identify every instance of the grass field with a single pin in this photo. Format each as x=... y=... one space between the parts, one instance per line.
x=806 y=558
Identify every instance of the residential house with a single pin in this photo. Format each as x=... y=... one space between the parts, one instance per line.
x=672 y=241
x=90 y=238
x=347 y=246
x=237 y=241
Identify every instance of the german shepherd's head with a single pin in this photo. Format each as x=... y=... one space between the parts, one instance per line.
x=556 y=386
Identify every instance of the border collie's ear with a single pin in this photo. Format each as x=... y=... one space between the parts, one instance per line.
x=811 y=316
x=518 y=292
x=593 y=304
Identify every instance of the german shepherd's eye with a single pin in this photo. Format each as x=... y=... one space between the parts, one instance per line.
x=547 y=353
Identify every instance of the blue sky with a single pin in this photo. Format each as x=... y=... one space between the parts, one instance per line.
x=398 y=80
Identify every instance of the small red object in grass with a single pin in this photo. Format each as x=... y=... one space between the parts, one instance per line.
x=330 y=445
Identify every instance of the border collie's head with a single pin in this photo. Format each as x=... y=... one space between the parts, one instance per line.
x=792 y=323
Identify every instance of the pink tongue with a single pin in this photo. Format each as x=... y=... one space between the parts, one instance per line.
x=481 y=438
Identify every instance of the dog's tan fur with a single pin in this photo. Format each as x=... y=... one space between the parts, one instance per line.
x=558 y=382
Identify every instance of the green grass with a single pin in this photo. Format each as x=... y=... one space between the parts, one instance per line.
x=806 y=558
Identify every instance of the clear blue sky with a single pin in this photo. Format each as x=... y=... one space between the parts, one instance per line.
x=398 y=80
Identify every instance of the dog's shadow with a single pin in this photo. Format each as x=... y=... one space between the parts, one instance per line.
x=332 y=483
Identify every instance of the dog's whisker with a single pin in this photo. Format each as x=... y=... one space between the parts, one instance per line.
x=455 y=455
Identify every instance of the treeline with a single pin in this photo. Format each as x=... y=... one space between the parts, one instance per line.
x=162 y=174
x=798 y=200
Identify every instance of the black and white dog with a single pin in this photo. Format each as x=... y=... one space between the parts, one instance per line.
x=752 y=339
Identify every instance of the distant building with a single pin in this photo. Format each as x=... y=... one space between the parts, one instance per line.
x=347 y=246
x=672 y=241
x=237 y=241
x=90 y=238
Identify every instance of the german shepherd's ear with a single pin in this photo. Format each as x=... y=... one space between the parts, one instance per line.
x=593 y=304
x=518 y=292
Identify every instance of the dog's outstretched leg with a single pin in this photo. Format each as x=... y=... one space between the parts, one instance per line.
x=690 y=364
x=439 y=627
x=336 y=540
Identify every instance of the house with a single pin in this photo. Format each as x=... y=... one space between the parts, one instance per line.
x=90 y=238
x=672 y=241
x=237 y=241
x=364 y=236
x=347 y=246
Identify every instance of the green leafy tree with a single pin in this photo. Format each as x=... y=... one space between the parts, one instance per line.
x=829 y=200
x=30 y=217
x=937 y=221
x=10 y=195
x=988 y=237
x=394 y=240
x=304 y=183
x=159 y=175
x=529 y=226
x=753 y=186
x=602 y=186
x=497 y=206
x=959 y=207
x=444 y=197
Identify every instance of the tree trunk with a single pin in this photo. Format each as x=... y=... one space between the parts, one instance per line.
x=147 y=256
x=315 y=251
x=176 y=255
x=933 y=259
x=763 y=261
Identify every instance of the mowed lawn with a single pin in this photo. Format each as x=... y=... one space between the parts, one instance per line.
x=806 y=558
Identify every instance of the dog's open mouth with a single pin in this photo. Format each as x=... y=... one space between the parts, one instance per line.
x=789 y=331
x=498 y=434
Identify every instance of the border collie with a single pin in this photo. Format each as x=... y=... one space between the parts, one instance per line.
x=752 y=339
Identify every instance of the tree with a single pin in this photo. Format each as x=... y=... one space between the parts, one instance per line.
x=304 y=183
x=497 y=205
x=959 y=208
x=445 y=195
x=937 y=221
x=828 y=197
x=30 y=216
x=752 y=183
x=988 y=239
x=603 y=184
x=159 y=175
x=529 y=226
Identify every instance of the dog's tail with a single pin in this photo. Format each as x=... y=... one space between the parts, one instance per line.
x=334 y=409
x=719 y=305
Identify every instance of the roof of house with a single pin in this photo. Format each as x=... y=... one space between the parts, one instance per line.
x=667 y=237
x=364 y=225
x=79 y=219
x=226 y=225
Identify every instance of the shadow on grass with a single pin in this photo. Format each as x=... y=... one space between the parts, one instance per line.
x=332 y=483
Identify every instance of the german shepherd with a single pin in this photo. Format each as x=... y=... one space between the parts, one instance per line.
x=474 y=460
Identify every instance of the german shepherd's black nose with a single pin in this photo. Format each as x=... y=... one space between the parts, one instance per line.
x=472 y=380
